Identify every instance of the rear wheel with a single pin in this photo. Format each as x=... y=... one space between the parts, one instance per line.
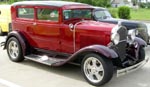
x=97 y=70
x=14 y=50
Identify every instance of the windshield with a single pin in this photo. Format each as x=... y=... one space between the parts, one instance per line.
x=77 y=13
x=102 y=14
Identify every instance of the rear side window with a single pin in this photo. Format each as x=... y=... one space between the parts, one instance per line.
x=47 y=14
x=26 y=13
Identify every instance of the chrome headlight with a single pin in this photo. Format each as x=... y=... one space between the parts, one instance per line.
x=132 y=34
x=115 y=37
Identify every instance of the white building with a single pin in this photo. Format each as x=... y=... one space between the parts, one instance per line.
x=118 y=3
x=142 y=1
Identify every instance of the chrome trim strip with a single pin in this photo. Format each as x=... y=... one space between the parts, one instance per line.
x=74 y=34
x=124 y=71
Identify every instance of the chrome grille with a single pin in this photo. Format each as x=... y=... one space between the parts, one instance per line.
x=121 y=46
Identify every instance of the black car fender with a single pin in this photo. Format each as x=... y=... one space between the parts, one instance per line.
x=99 y=49
x=19 y=37
x=140 y=42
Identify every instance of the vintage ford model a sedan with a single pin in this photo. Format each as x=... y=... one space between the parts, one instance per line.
x=58 y=32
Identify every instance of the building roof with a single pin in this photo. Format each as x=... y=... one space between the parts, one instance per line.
x=47 y=3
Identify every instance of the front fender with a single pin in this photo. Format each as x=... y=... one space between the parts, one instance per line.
x=140 y=41
x=19 y=37
x=102 y=50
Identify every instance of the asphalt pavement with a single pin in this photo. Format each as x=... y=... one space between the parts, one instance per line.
x=32 y=74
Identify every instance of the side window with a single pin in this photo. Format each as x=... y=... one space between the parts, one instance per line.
x=47 y=14
x=26 y=13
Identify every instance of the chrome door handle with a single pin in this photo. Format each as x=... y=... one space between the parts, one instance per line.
x=34 y=24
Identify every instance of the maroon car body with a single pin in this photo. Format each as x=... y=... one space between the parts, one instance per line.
x=58 y=32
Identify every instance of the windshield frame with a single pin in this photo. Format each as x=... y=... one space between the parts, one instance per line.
x=106 y=12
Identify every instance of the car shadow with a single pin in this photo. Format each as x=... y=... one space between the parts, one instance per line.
x=134 y=79
x=68 y=70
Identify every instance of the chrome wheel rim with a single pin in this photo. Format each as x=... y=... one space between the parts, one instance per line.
x=13 y=49
x=93 y=69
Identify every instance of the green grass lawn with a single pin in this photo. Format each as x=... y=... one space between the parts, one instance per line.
x=140 y=14
x=3 y=3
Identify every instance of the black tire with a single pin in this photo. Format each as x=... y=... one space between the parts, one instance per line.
x=14 y=56
x=141 y=54
x=106 y=74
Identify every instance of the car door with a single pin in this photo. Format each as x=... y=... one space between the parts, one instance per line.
x=25 y=16
x=67 y=34
x=47 y=29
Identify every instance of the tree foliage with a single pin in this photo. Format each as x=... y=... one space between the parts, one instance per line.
x=101 y=3
x=12 y=1
x=135 y=2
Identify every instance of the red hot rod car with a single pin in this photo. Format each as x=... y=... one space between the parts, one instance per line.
x=58 y=32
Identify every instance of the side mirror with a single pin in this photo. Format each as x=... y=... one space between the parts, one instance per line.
x=71 y=26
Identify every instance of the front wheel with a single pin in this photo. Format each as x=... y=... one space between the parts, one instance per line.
x=96 y=69
x=14 y=50
x=141 y=54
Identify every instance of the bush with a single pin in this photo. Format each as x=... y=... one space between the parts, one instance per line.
x=124 y=12
x=142 y=5
x=113 y=12
x=148 y=5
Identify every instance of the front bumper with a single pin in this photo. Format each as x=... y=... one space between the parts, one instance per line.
x=126 y=70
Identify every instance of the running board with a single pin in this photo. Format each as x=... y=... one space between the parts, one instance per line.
x=124 y=71
x=44 y=59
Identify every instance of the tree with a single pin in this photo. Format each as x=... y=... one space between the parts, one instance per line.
x=101 y=3
x=12 y=1
x=135 y=2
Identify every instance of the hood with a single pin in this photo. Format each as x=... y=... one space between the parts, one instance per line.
x=94 y=25
x=141 y=27
x=127 y=23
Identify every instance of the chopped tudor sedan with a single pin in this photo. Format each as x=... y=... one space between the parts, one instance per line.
x=103 y=15
x=58 y=32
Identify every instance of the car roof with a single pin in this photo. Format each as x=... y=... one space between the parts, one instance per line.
x=99 y=8
x=47 y=3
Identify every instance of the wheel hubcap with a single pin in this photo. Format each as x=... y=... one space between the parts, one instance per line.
x=13 y=49
x=93 y=69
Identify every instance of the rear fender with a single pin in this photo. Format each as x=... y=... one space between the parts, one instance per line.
x=19 y=37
